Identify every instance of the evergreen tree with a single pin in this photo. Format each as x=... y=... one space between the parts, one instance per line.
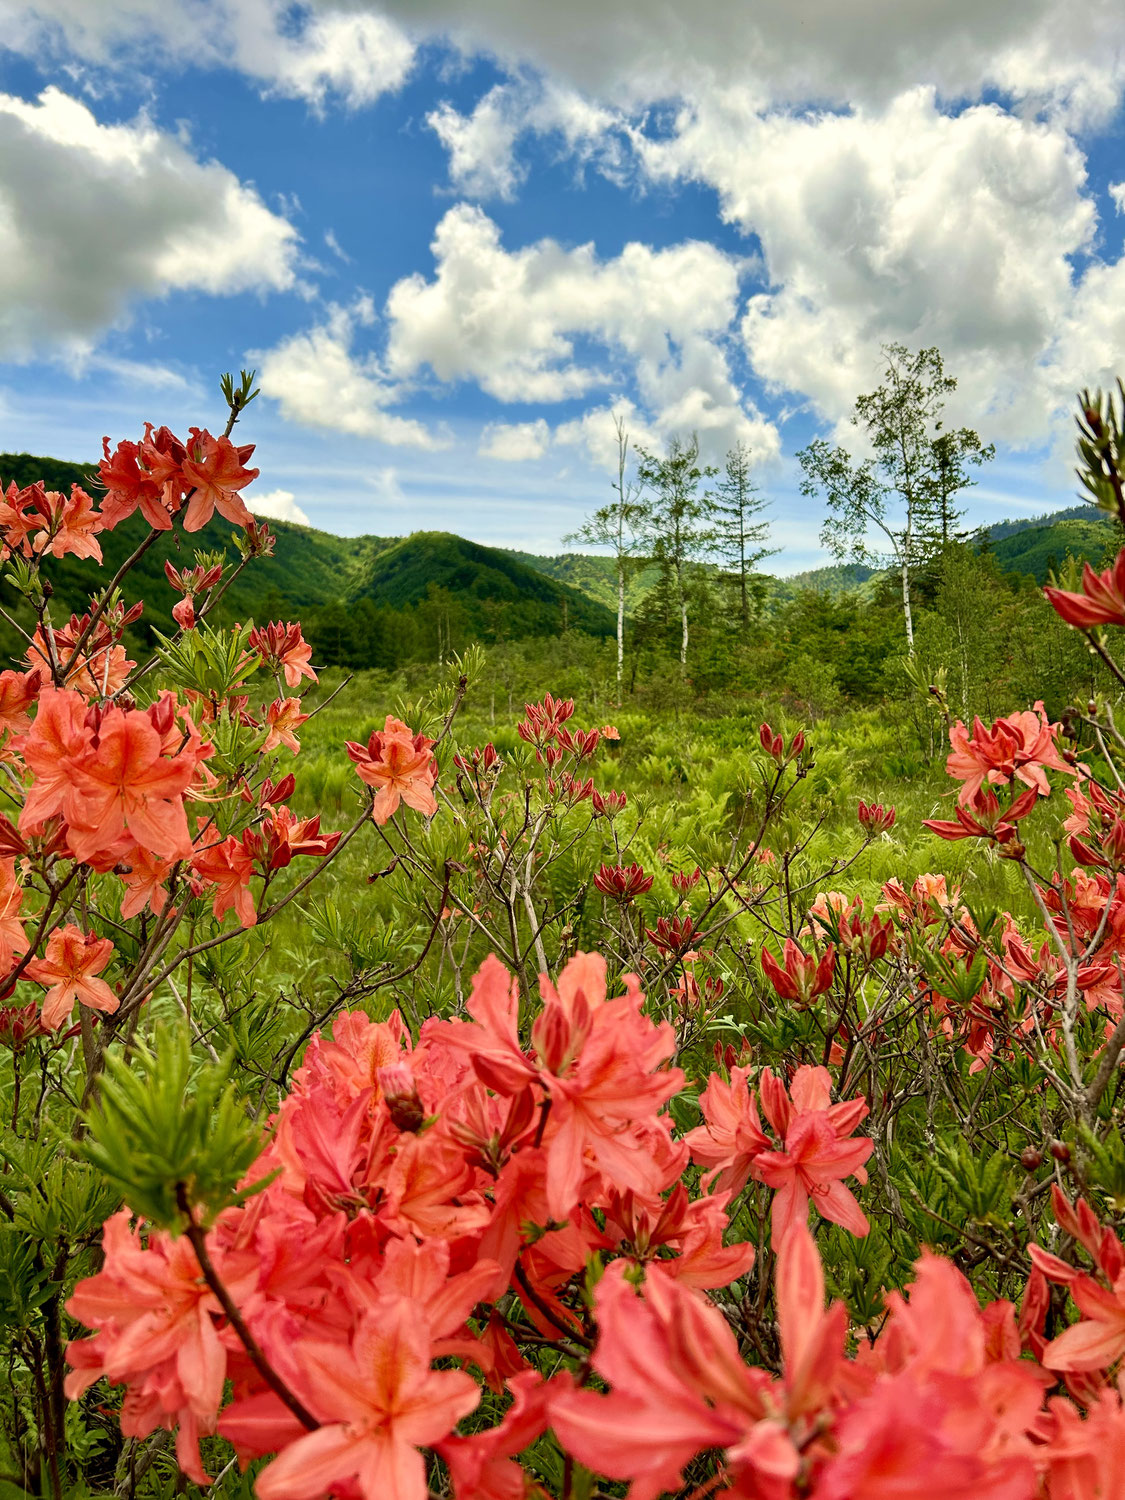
x=950 y=453
x=739 y=533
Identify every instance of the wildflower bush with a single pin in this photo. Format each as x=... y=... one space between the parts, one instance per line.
x=570 y=1140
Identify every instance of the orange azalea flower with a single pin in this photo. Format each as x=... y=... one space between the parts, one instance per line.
x=283 y=648
x=79 y=525
x=18 y=691
x=155 y=1319
x=217 y=470
x=732 y=1137
x=128 y=484
x=388 y=1403
x=817 y=1152
x=68 y=970
x=13 y=939
x=228 y=867
x=18 y=519
x=144 y=883
x=100 y=670
x=1101 y=601
x=126 y=783
x=283 y=718
x=56 y=742
x=1021 y=746
x=400 y=767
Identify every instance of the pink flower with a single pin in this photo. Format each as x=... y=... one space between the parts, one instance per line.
x=380 y=1402
x=227 y=867
x=732 y=1138
x=282 y=648
x=1021 y=746
x=216 y=470
x=69 y=971
x=401 y=768
x=283 y=719
x=1101 y=601
x=815 y=1156
x=156 y=1331
x=804 y=976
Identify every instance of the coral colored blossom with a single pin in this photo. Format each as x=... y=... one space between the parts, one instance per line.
x=216 y=470
x=1100 y=602
x=227 y=867
x=400 y=767
x=1022 y=746
x=68 y=970
x=283 y=719
x=381 y=1402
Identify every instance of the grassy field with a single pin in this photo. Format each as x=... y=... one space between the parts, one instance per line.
x=684 y=776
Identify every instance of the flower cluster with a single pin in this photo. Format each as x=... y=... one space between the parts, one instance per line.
x=470 y=1202
x=160 y=474
x=408 y=1181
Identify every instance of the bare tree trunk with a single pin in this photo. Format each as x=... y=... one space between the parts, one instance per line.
x=742 y=567
x=683 y=619
x=620 y=627
x=906 y=605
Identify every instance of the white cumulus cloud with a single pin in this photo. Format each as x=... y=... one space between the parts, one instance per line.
x=482 y=144
x=319 y=381
x=347 y=53
x=94 y=217
x=899 y=223
x=278 y=505
x=545 y=324
x=515 y=442
x=823 y=51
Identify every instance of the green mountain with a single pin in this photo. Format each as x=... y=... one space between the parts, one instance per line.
x=595 y=575
x=380 y=601
x=494 y=585
x=1036 y=549
x=364 y=600
x=1000 y=529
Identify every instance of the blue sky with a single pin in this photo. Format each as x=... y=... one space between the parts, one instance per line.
x=458 y=239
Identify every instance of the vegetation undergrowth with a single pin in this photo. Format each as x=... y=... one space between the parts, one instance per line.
x=577 y=1064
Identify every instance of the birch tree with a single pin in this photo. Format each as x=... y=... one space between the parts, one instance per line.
x=677 y=518
x=619 y=526
x=907 y=489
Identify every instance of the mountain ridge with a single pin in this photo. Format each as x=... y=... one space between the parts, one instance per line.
x=370 y=599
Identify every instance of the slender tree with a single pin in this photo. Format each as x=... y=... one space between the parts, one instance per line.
x=676 y=518
x=620 y=526
x=737 y=506
x=951 y=453
x=907 y=490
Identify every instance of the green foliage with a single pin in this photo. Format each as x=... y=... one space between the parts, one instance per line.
x=1036 y=550
x=208 y=661
x=1103 y=1162
x=25 y=1284
x=980 y=1188
x=168 y=1133
x=54 y=1198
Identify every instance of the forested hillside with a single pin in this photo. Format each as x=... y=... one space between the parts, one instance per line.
x=380 y=602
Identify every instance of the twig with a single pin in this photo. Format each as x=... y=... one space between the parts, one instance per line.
x=198 y=1241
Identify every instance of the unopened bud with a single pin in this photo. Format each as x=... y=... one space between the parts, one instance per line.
x=400 y=1093
x=1030 y=1158
x=1060 y=1151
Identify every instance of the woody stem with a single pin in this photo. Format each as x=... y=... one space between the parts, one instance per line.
x=198 y=1241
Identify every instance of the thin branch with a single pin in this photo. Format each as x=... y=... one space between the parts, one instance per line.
x=198 y=1241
